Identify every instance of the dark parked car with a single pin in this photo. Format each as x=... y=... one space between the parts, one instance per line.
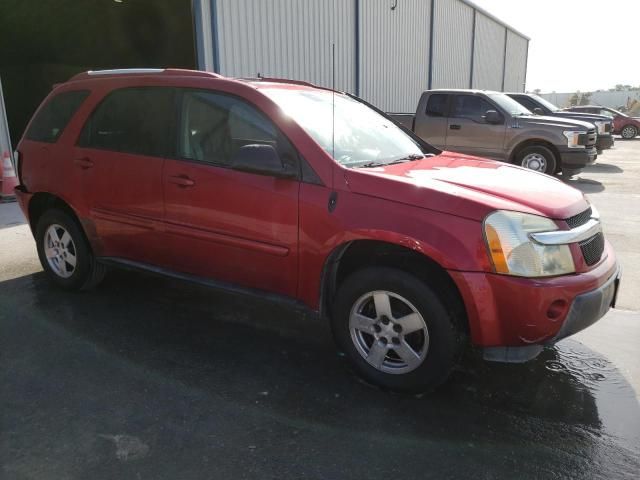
x=409 y=252
x=624 y=125
x=540 y=106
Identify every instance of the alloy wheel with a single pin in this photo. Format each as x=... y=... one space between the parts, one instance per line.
x=389 y=332
x=628 y=132
x=60 y=251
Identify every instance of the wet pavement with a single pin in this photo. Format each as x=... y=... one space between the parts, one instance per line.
x=147 y=377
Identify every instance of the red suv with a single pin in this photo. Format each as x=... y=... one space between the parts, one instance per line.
x=313 y=197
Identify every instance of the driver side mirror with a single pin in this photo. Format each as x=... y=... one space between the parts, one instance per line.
x=538 y=111
x=492 y=117
x=262 y=160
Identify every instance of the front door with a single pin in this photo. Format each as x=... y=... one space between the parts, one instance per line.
x=468 y=132
x=119 y=159
x=233 y=226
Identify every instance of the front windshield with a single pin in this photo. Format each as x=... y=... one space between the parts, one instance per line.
x=509 y=104
x=361 y=136
x=546 y=103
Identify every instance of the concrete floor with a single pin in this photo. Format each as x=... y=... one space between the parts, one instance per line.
x=147 y=377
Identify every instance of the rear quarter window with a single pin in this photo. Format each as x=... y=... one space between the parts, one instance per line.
x=53 y=117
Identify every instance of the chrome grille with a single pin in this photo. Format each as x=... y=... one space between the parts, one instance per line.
x=579 y=219
x=592 y=249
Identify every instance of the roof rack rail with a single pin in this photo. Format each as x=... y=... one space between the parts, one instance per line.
x=144 y=71
x=286 y=80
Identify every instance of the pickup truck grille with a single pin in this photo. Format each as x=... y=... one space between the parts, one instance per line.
x=588 y=139
x=579 y=219
x=607 y=127
x=592 y=249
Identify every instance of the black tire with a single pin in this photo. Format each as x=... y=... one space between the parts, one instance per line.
x=445 y=337
x=87 y=272
x=628 y=132
x=528 y=155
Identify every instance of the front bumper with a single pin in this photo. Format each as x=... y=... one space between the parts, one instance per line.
x=576 y=160
x=512 y=318
x=604 y=142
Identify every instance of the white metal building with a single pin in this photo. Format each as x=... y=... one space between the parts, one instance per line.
x=386 y=51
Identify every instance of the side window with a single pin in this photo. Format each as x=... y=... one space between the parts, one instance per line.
x=132 y=120
x=526 y=102
x=53 y=117
x=214 y=126
x=470 y=106
x=437 y=105
x=605 y=112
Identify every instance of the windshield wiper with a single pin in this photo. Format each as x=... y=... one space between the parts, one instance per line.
x=408 y=158
x=370 y=165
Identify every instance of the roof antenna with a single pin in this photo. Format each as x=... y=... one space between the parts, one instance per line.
x=333 y=100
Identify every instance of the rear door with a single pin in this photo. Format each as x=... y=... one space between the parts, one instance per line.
x=431 y=119
x=468 y=132
x=233 y=226
x=120 y=157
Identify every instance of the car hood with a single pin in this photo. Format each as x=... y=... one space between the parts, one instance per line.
x=586 y=117
x=468 y=186
x=560 y=122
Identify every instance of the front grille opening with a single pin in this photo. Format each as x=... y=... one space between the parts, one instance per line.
x=592 y=249
x=579 y=219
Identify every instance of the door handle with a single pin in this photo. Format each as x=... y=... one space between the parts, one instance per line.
x=83 y=162
x=182 y=181
x=454 y=127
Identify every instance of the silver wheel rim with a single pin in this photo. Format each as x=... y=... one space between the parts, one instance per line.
x=628 y=132
x=535 y=161
x=60 y=251
x=388 y=332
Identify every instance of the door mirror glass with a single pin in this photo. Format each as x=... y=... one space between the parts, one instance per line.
x=538 y=111
x=262 y=160
x=493 y=117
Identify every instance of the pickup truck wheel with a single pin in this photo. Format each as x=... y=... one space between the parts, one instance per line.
x=395 y=330
x=537 y=158
x=64 y=252
x=629 y=132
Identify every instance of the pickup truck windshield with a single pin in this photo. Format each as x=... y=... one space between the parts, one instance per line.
x=546 y=103
x=361 y=137
x=509 y=104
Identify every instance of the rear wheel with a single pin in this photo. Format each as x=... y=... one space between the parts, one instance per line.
x=395 y=330
x=64 y=252
x=537 y=158
x=629 y=132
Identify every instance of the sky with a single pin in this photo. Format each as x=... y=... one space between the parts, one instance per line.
x=581 y=45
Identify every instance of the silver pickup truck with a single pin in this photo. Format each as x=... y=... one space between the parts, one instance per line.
x=491 y=124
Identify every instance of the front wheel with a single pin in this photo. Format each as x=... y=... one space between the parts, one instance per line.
x=537 y=158
x=395 y=330
x=64 y=252
x=629 y=132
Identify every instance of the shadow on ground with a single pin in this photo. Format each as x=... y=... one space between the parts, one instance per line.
x=151 y=378
x=586 y=185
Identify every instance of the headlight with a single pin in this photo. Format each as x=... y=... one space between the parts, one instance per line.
x=600 y=125
x=573 y=138
x=513 y=252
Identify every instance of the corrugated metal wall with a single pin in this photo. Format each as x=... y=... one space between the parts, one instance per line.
x=394 y=53
x=452 y=30
x=288 y=38
x=488 y=58
x=382 y=53
x=516 y=64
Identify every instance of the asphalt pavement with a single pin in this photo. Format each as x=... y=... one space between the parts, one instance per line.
x=150 y=378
